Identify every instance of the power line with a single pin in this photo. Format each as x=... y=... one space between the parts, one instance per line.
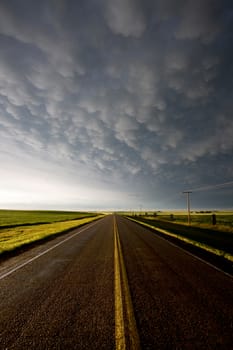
x=211 y=187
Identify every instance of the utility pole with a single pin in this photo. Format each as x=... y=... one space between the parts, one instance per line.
x=188 y=204
x=140 y=209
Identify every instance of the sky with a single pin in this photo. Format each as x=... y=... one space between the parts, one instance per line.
x=109 y=104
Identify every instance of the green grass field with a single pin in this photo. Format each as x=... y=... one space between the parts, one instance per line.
x=20 y=228
x=25 y=217
x=224 y=219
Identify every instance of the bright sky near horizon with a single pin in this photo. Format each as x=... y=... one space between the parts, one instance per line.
x=109 y=104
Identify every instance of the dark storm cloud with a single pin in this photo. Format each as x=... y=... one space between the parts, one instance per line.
x=136 y=93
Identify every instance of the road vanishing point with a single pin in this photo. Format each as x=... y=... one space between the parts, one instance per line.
x=113 y=284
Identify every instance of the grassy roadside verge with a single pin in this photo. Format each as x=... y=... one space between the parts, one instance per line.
x=13 y=238
x=215 y=244
x=200 y=219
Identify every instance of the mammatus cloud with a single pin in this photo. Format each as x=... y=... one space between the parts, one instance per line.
x=121 y=97
x=200 y=19
x=125 y=17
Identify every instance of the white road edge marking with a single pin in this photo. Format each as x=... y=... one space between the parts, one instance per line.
x=198 y=258
x=186 y=251
x=44 y=252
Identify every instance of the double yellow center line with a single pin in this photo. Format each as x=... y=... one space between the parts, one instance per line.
x=126 y=334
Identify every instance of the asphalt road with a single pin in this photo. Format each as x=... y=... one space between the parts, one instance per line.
x=113 y=284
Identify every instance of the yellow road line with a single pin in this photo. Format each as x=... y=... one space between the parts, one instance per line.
x=119 y=317
x=121 y=305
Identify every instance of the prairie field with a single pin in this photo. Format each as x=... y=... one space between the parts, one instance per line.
x=224 y=219
x=20 y=228
x=31 y=217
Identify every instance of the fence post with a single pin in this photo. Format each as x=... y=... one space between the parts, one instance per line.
x=214 y=219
